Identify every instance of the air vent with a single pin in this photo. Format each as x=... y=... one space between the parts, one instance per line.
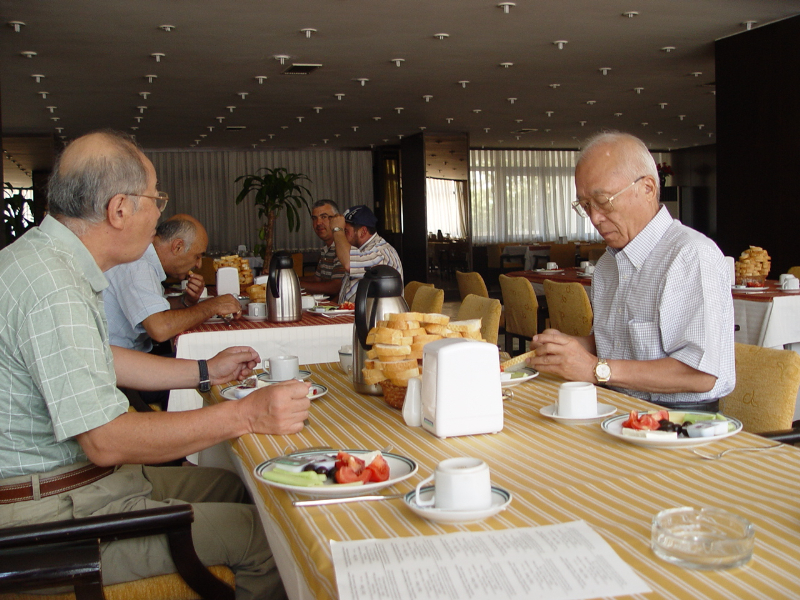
x=301 y=69
x=523 y=131
x=235 y=127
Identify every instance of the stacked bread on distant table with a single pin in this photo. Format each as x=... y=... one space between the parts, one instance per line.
x=397 y=344
x=257 y=293
x=237 y=262
x=753 y=263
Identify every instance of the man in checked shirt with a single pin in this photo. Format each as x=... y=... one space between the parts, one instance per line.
x=663 y=312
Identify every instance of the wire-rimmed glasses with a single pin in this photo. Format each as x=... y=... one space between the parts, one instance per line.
x=601 y=203
x=161 y=199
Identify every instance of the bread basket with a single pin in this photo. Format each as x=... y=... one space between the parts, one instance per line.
x=394 y=395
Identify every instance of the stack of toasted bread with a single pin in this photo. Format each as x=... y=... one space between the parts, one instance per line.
x=237 y=262
x=397 y=344
x=257 y=293
x=753 y=263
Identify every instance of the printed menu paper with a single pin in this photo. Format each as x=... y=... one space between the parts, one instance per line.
x=568 y=561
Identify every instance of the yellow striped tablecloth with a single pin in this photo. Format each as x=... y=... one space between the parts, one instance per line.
x=556 y=473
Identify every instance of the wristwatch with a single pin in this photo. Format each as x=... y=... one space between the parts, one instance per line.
x=205 y=380
x=335 y=229
x=602 y=371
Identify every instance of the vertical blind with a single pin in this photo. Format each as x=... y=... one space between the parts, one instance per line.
x=203 y=184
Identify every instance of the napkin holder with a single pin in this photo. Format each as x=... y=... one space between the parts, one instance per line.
x=227 y=281
x=461 y=393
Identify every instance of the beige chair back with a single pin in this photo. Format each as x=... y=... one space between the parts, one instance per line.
x=794 y=271
x=563 y=254
x=520 y=306
x=411 y=289
x=471 y=283
x=767 y=381
x=488 y=310
x=568 y=307
x=428 y=300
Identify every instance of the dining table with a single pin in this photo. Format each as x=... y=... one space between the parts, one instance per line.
x=556 y=473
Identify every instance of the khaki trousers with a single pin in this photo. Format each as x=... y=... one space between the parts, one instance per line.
x=226 y=529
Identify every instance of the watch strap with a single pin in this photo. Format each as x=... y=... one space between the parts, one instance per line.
x=205 y=380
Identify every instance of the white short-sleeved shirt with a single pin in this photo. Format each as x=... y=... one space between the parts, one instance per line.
x=134 y=293
x=667 y=294
x=375 y=251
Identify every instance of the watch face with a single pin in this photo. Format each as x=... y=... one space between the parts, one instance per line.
x=602 y=371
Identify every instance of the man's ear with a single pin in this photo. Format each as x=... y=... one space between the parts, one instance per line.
x=650 y=186
x=118 y=210
x=177 y=246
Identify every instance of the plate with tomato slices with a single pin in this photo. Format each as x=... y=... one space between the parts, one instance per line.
x=400 y=469
x=613 y=426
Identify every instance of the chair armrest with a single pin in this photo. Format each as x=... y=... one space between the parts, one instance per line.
x=787 y=436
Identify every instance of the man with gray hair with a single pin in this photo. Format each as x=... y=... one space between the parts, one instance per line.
x=663 y=312
x=137 y=311
x=69 y=447
x=328 y=277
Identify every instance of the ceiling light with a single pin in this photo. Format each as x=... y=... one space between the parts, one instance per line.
x=145 y=94
x=668 y=49
x=203 y=135
x=463 y=83
x=376 y=118
x=242 y=94
x=638 y=90
x=43 y=94
x=150 y=78
x=449 y=119
x=549 y=113
x=604 y=70
x=700 y=126
x=59 y=129
x=617 y=114
x=476 y=110
x=354 y=127
x=167 y=28
x=28 y=53
x=282 y=57
x=486 y=129
x=308 y=31
x=158 y=56
x=220 y=119
x=339 y=96
x=505 y=65
x=555 y=85
x=696 y=73
x=399 y=109
x=55 y=119
x=398 y=61
x=51 y=108
x=681 y=117
x=583 y=123
x=299 y=119
x=17 y=25
x=591 y=102
x=506 y=6
x=260 y=78
x=38 y=78
x=512 y=100
x=363 y=80
x=662 y=105
x=645 y=124
x=284 y=127
x=317 y=109
x=141 y=109
x=230 y=108
x=630 y=14
x=427 y=97
x=561 y=44
x=210 y=127
x=749 y=24
x=441 y=36
x=271 y=135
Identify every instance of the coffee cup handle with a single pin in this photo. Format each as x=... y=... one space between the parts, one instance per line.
x=420 y=502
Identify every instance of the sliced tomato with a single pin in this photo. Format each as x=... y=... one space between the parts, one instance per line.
x=648 y=422
x=347 y=475
x=633 y=421
x=379 y=469
x=343 y=459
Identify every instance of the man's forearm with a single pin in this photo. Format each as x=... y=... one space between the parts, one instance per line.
x=163 y=373
x=342 y=249
x=662 y=376
x=164 y=325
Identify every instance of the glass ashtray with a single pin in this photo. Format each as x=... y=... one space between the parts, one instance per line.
x=705 y=538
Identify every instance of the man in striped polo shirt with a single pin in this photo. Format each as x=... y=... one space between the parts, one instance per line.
x=329 y=274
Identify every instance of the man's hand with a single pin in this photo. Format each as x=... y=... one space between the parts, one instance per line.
x=278 y=409
x=337 y=221
x=224 y=305
x=195 y=285
x=562 y=355
x=236 y=362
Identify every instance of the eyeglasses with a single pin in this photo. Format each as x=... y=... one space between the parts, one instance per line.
x=322 y=217
x=601 y=203
x=161 y=199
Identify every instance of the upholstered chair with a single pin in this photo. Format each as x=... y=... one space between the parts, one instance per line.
x=520 y=308
x=411 y=289
x=428 y=300
x=568 y=307
x=488 y=310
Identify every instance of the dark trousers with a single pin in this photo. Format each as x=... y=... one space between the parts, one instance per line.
x=711 y=406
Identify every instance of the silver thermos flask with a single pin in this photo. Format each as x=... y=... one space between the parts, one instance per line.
x=283 y=290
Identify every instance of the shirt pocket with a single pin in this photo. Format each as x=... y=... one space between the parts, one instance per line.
x=645 y=340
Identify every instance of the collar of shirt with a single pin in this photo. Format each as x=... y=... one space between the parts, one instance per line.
x=368 y=242
x=85 y=261
x=151 y=257
x=639 y=248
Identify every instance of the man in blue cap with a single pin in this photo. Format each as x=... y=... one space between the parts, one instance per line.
x=359 y=247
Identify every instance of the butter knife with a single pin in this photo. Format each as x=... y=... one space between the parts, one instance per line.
x=324 y=501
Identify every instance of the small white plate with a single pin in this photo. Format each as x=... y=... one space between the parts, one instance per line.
x=500 y=501
x=214 y=320
x=331 y=310
x=317 y=390
x=613 y=426
x=603 y=411
x=400 y=469
x=254 y=319
x=586 y=275
x=747 y=290
x=320 y=297
x=301 y=375
x=529 y=374
x=549 y=271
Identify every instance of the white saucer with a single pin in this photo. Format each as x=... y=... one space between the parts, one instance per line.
x=603 y=411
x=500 y=500
x=254 y=319
x=320 y=297
x=302 y=375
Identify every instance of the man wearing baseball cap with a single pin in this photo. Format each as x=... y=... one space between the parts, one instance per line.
x=359 y=247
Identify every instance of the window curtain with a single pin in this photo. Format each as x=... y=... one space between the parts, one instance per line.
x=525 y=196
x=202 y=184
x=446 y=209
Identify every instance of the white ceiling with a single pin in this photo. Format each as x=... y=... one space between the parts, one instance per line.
x=95 y=55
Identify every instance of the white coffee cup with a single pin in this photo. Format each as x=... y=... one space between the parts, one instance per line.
x=577 y=399
x=784 y=277
x=346 y=358
x=283 y=368
x=589 y=269
x=461 y=484
x=308 y=302
x=791 y=284
x=257 y=309
x=551 y=266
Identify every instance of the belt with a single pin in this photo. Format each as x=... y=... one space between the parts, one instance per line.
x=50 y=486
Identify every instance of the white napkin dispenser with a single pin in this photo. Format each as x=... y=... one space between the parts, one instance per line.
x=461 y=392
x=227 y=281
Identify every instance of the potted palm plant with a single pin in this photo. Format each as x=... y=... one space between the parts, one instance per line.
x=276 y=190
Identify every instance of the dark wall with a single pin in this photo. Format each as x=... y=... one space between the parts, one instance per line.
x=415 y=216
x=696 y=175
x=758 y=132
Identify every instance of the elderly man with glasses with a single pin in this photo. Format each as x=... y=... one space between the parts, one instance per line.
x=328 y=277
x=663 y=312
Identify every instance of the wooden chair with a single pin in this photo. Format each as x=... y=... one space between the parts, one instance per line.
x=67 y=553
x=767 y=381
x=794 y=271
x=488 y=310
x=471 y=283
x=297 y=263
x=428 y=300
x=569 y=307
x=563 y=254
x=520 y=308
x=411 y=289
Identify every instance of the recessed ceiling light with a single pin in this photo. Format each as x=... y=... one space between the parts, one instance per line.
x=561 y=44
x=630 y=14
x=506 y=6
x=158 y=56
x=441 y=36
x=16 y=25
x=38 y=78
x=398 y=61
x=28 y=53
x=167 y=28
x=260 y=78
x=749 y=24
x=668 y=49
x=604 y=70
x=308 y=31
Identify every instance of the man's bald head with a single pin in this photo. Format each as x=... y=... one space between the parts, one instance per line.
x=184 y=227
x=90 y=171
x=180 y=243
